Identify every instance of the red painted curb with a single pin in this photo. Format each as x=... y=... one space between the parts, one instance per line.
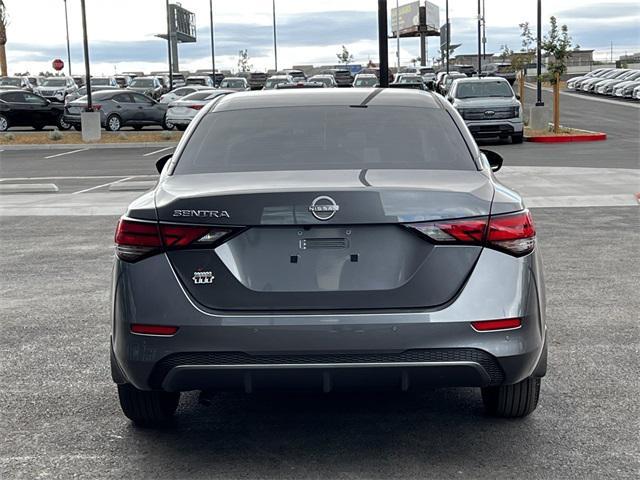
x=595 y=137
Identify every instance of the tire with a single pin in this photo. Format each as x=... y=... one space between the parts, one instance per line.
x=147 y=408
x=517 y=138
x=114 y=123
x=167 y=125
x=62 y=125
x=4 y=123
x=512 y=401
x=77 y=128
x=182 y=128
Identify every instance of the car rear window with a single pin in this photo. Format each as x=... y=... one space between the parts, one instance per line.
x=325 y=138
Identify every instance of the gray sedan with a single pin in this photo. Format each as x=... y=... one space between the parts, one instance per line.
x=328 y=248
x=119 y=109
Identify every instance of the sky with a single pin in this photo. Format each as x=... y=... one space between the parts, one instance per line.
x=122 y=32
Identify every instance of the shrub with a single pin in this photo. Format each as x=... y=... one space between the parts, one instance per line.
x=55 y=135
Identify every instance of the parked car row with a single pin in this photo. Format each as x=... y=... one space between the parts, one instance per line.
x=617 y=82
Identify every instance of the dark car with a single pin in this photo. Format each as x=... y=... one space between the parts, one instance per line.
x=149 y=86
x=19 y=108
x=327 y=240
x=257 y=80
x=342 y=75
x=119 y=109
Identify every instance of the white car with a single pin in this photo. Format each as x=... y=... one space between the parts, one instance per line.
x=178 y=93
x=636 y=93
x=181 y=111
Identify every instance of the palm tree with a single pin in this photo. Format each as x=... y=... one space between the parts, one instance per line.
x=3 y=39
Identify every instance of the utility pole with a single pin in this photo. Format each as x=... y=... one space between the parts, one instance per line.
x=448 y=34
x=169 y=46
x=213 y=51
x=479 y=39
x=383 y=43
x=539 y=102
x=275 y=38
x=87 y=69
x=398 y=35
x=66 y=19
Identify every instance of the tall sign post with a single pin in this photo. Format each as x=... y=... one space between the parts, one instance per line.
x=539 y=102
x=66 y=20
x=275 y=37
x=213 y=50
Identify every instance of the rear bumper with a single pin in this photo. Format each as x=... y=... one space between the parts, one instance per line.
x=325 y=351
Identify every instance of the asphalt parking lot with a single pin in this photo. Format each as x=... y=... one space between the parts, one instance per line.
x=61 y=418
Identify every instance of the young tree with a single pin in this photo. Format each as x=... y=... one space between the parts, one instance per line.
x=3 y=39
x=557 y=44
x=505 y=53
x=344 y=56
x=243 y=61
x=520 y=60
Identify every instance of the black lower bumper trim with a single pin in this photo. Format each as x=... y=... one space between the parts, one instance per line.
x=335 y=361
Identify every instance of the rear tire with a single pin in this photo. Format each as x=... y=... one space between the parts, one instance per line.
x=512 y=401
x=147 y=408
x=4 y=123
x=166 y=125
x=114 y=123
x=62 y=125
x=77 y=128
x=517 y=138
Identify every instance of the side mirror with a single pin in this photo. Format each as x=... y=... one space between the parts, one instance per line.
x=517 y=97
x=495 y=159
x=162 y=162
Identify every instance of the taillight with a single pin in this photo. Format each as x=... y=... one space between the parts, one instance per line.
x=137 y=239
x=196 y=107
x=512 y=233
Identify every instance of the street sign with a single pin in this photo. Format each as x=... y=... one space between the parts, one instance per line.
x=57 y=64
x=444 y=32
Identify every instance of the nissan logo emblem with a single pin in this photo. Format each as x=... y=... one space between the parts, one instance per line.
x=323 y=207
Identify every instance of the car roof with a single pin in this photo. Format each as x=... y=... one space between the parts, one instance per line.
x=482 y=80
x=326 y=97
x=368 y=75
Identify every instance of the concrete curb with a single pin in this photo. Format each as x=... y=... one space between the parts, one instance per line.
x=89 y=146
x=28 y=188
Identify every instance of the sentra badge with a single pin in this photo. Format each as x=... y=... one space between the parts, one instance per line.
x=202 y=213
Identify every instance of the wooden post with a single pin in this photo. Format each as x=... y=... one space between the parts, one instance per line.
x=521 y=85
x=556 y=104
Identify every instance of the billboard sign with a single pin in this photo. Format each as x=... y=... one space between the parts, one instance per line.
x=183 y=23
x=433 y=15
x=406 y=17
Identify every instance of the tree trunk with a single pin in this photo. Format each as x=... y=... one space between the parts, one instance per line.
x=556 y=104
x=3 y=61
x=521 y=87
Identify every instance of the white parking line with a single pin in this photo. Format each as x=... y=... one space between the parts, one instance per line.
x=104 y=185
x=67 y=153
x=157 y=151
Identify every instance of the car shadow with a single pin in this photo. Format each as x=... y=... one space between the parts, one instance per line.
x=327 y=436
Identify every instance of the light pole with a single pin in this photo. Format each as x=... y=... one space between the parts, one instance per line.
x=539 y=102
x=169 y=46
x=398 y=34
x=66 y=19
x=383 y=44
x=87 y=69
x=479 y=40
x=448 y=39
x=275 y=38
x=484 y=32
x=213 y=51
